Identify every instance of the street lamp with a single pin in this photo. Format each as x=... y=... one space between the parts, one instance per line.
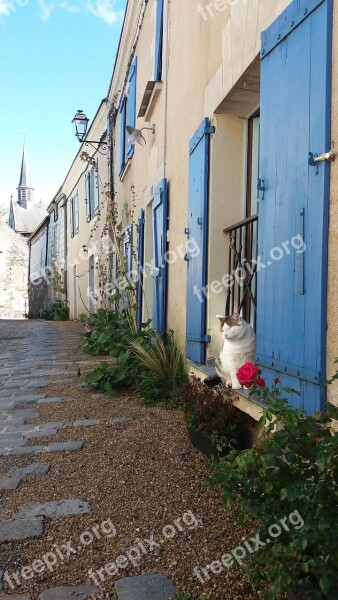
x=80 y=123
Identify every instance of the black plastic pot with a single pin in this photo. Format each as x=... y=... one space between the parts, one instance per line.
x=294 y=595
x=205 y=443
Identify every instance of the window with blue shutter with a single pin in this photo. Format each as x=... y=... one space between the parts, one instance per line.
x=123 y=122
x=159 y=41
x=132 y=102
x=96 y=190
x=92 y=193
x=140 y=261
x=74 y=215
x=87 y=186
x=198 y=203
x=159 y=270
x=128 y=249
x=293 y=211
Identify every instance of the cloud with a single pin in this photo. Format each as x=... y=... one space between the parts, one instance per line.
x=104 y=9
x=6 y=7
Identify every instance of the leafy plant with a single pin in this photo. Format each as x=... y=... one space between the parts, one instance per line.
x=58 y=311
x=292 y=468
x=213 y=411
x=162 y=366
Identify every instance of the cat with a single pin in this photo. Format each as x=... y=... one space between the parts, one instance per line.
x=239 y=348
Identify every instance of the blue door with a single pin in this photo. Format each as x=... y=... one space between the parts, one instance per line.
x=198 y=202
x=160 y=213
x=140 y=260
x=293 y=209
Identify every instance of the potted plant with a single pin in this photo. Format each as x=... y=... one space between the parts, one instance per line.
x=215 y=425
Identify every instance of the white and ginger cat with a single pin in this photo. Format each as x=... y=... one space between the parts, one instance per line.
x=239 y=348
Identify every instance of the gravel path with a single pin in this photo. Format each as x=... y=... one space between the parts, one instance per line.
x=141 y=503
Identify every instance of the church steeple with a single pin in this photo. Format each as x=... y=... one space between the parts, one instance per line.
x=25 y=190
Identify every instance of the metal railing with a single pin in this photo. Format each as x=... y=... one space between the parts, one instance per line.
x=243 y=248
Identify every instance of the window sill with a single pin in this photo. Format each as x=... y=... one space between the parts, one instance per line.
x=248 y=404
x=149 y=100
x=125 y=169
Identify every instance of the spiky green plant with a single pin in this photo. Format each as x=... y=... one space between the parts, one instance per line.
x=163 y=358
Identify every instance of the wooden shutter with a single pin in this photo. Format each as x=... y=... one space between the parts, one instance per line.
x=88 y=198
x=159 y=41
x=96 y=190
x=140 y=261
x=197 y=230
x=132 y=102
x=160 y=212
x=123 y=122
x=295 y=120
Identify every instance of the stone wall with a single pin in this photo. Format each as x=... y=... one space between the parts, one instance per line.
x=13 y=274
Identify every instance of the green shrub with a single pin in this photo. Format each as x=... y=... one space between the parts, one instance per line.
x=58 y=311
x=292 y=468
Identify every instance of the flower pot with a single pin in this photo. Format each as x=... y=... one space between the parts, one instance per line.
x=206 y=444
x=294 y=595
x=203 y=442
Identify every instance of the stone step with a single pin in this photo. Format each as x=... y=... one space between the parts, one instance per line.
x=145 y=587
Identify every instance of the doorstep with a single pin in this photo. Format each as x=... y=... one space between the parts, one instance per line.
x=248 y=404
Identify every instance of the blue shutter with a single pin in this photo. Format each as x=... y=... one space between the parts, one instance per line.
x=76 y=213
x=295 y=120
x=88 y=199
x=132 y=102
x=96 y=191
x=159 y=41
x=71 y=215
x=140 y=260
x=160 y=212
x=123 y=121
x=197 y=230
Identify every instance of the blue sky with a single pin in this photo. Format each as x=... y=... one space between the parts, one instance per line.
x=57 y=56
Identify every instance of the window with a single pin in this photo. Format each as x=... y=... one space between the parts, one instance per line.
x=55 y=241
x=128 y=249
x=56 y=213
x=128 y=116
x=159 y=41
x=74 y=215
x=253 y=165
x=132 y=102
x=92 y=193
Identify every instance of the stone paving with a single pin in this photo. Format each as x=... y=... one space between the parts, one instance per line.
x=27 y=351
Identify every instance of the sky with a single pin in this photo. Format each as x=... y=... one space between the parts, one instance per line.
x=56 y=56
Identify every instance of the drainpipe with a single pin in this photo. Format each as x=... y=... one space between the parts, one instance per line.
x=65 y=249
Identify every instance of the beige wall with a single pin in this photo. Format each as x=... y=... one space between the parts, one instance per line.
x=89 y=234
x=209 y=64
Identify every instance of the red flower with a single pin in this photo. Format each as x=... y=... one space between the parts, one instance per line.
x=247 y=373
x=276 y=380
x=260 y=382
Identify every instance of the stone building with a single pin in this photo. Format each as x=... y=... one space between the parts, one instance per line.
x=24 y=216
x=13 y=273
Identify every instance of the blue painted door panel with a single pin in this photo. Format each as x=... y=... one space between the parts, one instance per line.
x=197 y=230
x=293 y=215
x=160 y=213
x=140 y=260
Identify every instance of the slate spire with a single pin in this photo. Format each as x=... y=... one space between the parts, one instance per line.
x=25 y=190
